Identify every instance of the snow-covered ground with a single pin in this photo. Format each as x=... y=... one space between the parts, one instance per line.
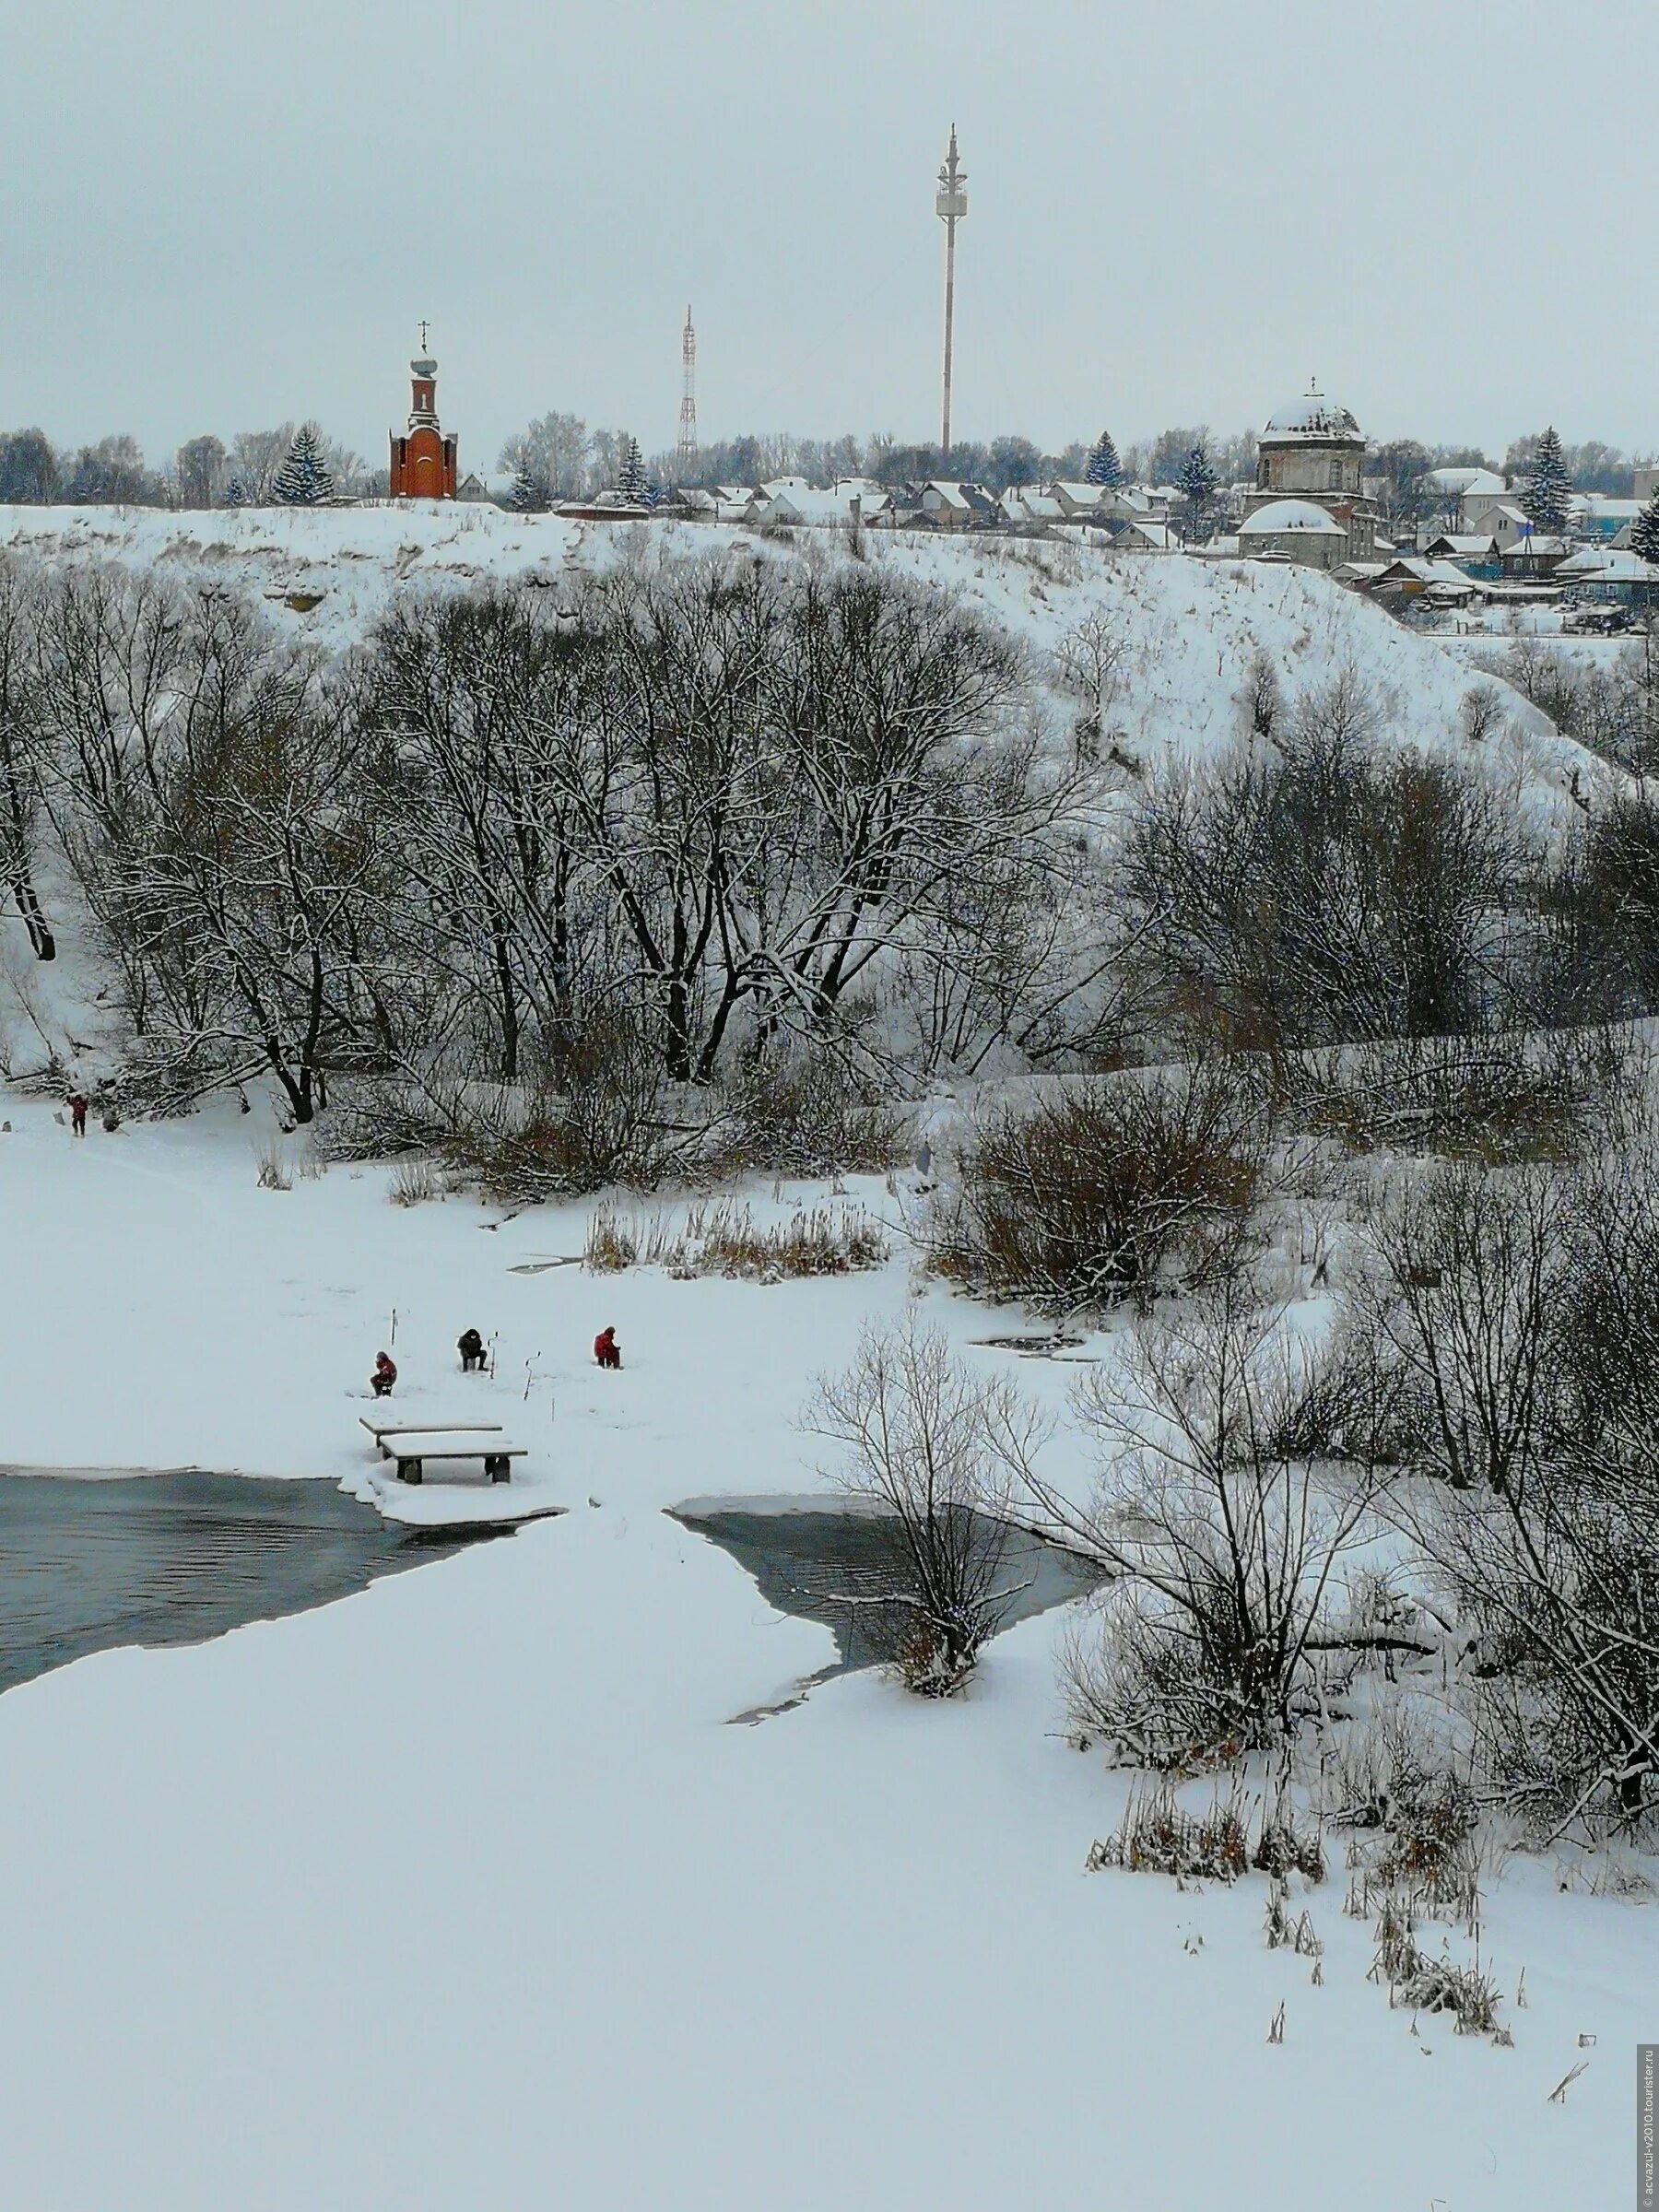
x=463 y=1893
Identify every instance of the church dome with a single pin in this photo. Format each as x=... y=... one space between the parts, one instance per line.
x=1313 y=418
x=1279 y=518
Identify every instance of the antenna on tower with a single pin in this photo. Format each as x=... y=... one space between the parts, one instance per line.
x=951 y=204
x=685 y=451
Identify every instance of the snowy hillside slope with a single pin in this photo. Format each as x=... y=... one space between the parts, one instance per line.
x=1189 y=628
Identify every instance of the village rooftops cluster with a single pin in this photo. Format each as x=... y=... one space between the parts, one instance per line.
x=1310 y=504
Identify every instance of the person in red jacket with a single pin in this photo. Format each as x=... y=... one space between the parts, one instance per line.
x=606 y=1350
x=384 y=1375
x=77 y=1113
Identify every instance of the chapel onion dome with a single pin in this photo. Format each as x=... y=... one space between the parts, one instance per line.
x=1314 y=420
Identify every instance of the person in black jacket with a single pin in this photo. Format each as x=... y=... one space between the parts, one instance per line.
x=470 y=1346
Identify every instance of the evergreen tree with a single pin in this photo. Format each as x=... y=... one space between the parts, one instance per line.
x=528 y=493
x=1644 y=531
x=1197 y=482
x=236 y=493
x=1545 y=493
x=631 y=480
x=303 y=480
x=1104 y=466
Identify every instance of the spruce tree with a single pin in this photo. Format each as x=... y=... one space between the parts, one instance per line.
x=1104 y=468
x=528 y=494
x=303 y=480
x=1644 y=531
x=1197 y=483
x=631 y=479
x=1544 y=495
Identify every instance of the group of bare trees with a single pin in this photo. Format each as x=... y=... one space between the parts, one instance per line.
x=1459 y=1482
x=714 y=804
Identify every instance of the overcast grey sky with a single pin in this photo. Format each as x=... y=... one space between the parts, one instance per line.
x=220 y=215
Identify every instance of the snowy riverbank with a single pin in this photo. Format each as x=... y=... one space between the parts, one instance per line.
x=462 y=1893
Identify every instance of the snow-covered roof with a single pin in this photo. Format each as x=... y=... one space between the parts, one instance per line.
x=1032 y=507
x=1626 y=511
x=1314 y=417
x=1608 y=566
x=806 y=503
x=1471 y=548
x=1280 y=517
x=1461 y=482
x=1080 y=495
x=1537 y=543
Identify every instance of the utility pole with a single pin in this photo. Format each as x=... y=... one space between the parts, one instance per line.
x=950 y=205
x=685 y=452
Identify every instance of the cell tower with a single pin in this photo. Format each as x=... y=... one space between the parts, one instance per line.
x=685 y=452
x=950 y=205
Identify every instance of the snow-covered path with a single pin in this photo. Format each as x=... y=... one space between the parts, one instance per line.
x=462 y=1894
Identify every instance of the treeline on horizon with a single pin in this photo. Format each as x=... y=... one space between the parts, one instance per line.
x=557 y=455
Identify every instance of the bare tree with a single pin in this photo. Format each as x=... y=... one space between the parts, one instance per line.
x=935 y=1450
x=1464 y=1277
x=1225 y=1549
x=1322 y=895
x=19 y=755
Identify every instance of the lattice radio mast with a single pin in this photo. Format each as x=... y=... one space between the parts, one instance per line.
x=685 y=451
x=951 y=204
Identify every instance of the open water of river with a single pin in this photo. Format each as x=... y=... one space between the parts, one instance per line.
x=86 y=1563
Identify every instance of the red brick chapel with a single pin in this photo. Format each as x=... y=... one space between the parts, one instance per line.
x=423 y=460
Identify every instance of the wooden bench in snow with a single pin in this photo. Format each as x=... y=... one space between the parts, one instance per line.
x=378 y=1428
x=411 y=1448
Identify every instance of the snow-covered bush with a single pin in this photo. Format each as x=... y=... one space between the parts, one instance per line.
x=1092 y=1191
x=1491 y=1100
x=807 y=1113
x=1521 y=1307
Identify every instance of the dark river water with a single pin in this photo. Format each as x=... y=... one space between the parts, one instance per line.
x=178 y=1559
x=809 y=1563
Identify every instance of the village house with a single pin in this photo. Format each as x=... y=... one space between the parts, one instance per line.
x=1610 y=577
x=1478 y=554
x=942 y=505
x=1533 y=557
x=794 y=504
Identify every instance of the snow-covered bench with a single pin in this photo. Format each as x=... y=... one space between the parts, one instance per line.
x=380 y=1429
x=412 y=1448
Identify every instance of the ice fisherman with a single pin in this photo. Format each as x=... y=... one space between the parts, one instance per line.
x=470 y=1346
x=384 y=1375
x=606 y=1350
